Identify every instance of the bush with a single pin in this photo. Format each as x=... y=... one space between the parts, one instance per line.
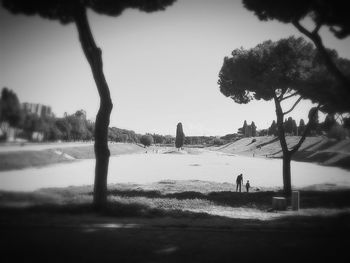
x=146 y=140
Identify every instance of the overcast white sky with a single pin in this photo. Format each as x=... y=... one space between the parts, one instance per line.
x=162 y=68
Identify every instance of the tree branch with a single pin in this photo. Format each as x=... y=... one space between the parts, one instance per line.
x=280 y=97
x=306 y=131
x=317 y=28
x=281 y=133
x=289 y=96
x=302 y=29
x=330 y=64
x=294 y=105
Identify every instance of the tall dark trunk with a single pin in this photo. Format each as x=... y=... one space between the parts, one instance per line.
x=287 y=184
x=286 y=172
x=94 y=57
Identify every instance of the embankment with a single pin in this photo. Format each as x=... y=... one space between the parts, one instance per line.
x=13 y=160
x=319 y=149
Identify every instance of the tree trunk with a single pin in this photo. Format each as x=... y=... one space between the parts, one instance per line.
x=286 y=173
x=287 y=184
x=94 y=57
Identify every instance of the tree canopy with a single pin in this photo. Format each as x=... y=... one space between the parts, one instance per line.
x=259 y=72
x=146 y=140
x=275 y=71
x=289 y=65
x=65 y=10
x=332 y=14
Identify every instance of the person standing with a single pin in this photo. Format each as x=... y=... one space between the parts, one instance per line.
x=247 y=186
x=239 y=181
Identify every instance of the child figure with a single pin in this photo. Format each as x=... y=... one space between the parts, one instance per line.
x=247 y=186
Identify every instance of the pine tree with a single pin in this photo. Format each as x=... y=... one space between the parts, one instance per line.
x=253 y=127
x=301 y=127
x=180 y=136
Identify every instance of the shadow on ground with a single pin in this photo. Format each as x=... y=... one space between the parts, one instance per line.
x=135 y=233
x=262 y=200
x=61 y=225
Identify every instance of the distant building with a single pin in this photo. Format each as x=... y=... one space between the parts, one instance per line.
x=40 y=110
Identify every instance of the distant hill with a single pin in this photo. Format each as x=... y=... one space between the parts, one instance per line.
x=314 y=149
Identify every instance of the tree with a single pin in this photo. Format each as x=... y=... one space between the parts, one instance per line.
x=288 y=125
x=29 y=124
x=75 y=11
x=158 y=139
x=332 y=14
x=180 y=136
x=253 y=127
x=78 y=126
x=218 y=141
x=294 y=128
x=273 y=128
x=313 y=120
x=64 y=127
x=271 y=71
x=301 y=127
x=329 y=122
x=10 y=109
x=244 y=125
x=146 y=140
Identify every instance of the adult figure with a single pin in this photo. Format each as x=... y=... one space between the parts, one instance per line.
x=239 y=181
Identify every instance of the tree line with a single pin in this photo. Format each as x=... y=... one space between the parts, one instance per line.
x=70 y=127
x=333 y=127
x=76 y=127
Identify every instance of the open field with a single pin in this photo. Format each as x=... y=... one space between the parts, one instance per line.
x=320 y=150
x=196 y=164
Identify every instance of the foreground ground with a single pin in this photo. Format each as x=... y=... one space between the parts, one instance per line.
x=150 y=223
x=96 y=238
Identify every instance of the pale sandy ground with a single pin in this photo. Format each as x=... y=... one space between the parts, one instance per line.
x=318 y=149
x=153 y=167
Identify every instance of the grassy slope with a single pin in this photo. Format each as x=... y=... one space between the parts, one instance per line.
x=314 y=149
x=25 y=159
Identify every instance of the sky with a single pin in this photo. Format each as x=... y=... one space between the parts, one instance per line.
x=162 y=68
